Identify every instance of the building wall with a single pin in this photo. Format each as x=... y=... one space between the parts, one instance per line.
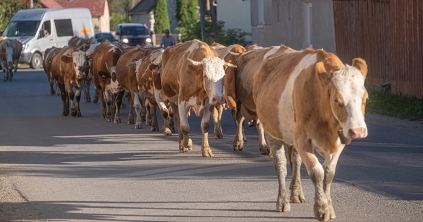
x=102 y=23
x=235 y=14
x=296 y=23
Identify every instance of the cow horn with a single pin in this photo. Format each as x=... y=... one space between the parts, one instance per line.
x=234 y=53
x=108 y=67
x=195 y=62
x=230 y=65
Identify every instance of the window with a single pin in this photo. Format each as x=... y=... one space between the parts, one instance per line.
x=21 y=28
x=63 y=27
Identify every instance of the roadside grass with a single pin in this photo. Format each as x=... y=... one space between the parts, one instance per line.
x=395 y=105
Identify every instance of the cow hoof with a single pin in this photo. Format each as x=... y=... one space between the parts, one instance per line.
x=117 y=120
x=148 y=123
x=264 y=150
x=52 y=92
x=73 y=113
x=167 y=132
x=321 y=211
x=189 y=144
x=298 y=199
x=131 y=121
x=138 y=126
x=238 y=145
x=108 y=119
x=154 y=128
x=95 y=100
x=283 y=208
x=207 y=153
x=218 y=135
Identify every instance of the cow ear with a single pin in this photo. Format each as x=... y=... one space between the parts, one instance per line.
x=104 y=75
x=152 y=67
x=321 y=72
x=361 y=65
x=66 y=58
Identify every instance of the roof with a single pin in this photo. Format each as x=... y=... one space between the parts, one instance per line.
x=144 y=6
x=96 y=7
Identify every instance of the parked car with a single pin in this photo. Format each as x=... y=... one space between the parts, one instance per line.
x=99 y=36
x=133 y=34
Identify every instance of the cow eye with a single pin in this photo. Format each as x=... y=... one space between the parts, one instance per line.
x=339 y=103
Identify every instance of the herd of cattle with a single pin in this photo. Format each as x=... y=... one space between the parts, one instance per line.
x=306 y=100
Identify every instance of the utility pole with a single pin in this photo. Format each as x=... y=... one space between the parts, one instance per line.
x=208 y=14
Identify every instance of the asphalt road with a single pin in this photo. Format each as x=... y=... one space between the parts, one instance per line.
x=86 y=169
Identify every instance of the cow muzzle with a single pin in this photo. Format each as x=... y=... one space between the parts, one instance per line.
x=358 y=133
x=217 y=100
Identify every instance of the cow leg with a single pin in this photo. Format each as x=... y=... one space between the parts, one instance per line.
x=264 y=149
x=185 y=143
x=217 y=119
x=143 y=108
x=16 y=64
x=71 y=97
x=11 y=73
x=118 y=101
x=165 y=115
x=205 y=125
x=138 y=107
x=279 y=162
x=171 y=121
x=65 y=107
x=87 y=97
x=297 y=195
x=97 y=95
x=108 y=102
x=322 y=204
x=77 y=99
x=57 y=89
x=330 y=167
x=123 y=100
x=51 y=83
x=154 y=122
x=239 y=136
x=147 y=112
x=131 y=104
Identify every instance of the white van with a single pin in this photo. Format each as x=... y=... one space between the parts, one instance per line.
x=39 y=29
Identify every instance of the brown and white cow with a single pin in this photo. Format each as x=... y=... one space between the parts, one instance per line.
x=48 y=57
x=68 y=67
x=89 y=49
x=239 y=89
x=228 y=54
x=125 y=75
x=149 y=82
x=191 y=76
x=78 y=41
x=103 y=68
x=10 y=51
x=310 y=100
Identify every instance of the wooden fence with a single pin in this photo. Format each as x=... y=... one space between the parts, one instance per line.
x=388 y=34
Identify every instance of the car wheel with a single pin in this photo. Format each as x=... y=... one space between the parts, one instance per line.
x=36 y=61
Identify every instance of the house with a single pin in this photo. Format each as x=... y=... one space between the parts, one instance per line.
x=239 y=20
x=100 y=10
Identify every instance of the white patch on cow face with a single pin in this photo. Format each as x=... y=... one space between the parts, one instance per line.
x=213 y=73
x=272 y=51
x=9 y=53
x=79 y=60
x=349 y=83
x=286 y=109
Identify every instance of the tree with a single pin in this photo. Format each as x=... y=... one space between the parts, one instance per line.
x=186 y=13
x=8 y=8
x=161 y=17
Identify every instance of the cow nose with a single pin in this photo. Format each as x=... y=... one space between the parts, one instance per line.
x=358 y=133
x=218 y=100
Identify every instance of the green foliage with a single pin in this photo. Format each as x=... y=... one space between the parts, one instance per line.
x=395 y=105
x=186 y=13
x=7 y=9
x=116 y=19
x=225 y=37
x=161 y=17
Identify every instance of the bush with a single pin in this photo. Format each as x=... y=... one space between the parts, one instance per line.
x=161 y=17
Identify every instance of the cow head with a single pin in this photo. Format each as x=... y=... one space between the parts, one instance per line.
x=348 y=98
x=79 y=60
x=213 y=71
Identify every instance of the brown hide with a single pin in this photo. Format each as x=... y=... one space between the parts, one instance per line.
x=105 y=53
x=77 y=41
x=47 y=61
x=146 y=76
x=61 y=71
x=178 y=76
